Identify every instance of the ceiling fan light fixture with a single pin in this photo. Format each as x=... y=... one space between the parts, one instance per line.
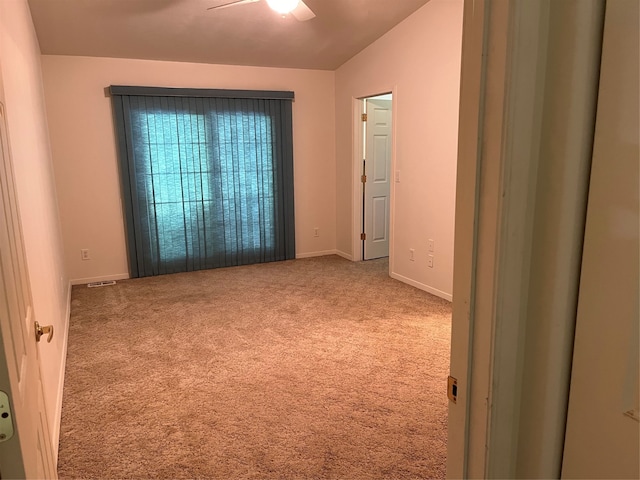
x=283 y=6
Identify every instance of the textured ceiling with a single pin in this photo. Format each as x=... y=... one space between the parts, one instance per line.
x=184 y=30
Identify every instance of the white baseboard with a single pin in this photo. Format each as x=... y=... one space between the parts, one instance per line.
x=103 y=278
x=422 y=286
x=58 y=411
x=344 y=255
x=316 y=254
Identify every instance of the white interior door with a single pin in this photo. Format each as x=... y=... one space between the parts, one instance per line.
x=602 y=437
x=25 y=445
x=377 y=196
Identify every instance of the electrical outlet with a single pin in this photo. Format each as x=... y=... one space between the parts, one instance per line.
x=412 y=254
x=316 y=232
x=431 y=245
x=430 y=261
x=84 y=254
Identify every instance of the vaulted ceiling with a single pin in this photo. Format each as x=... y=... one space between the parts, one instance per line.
x=184 y=30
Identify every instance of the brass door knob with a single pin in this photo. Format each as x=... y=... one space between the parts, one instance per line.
x=44 y=330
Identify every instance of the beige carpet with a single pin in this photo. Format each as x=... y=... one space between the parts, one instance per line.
x=305 y=369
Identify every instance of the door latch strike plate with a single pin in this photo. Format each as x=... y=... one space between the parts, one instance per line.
x=452 y=389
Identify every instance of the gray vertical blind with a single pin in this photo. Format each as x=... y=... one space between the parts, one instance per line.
x=207 y=177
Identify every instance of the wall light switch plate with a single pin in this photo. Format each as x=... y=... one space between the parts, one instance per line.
x=6 y=423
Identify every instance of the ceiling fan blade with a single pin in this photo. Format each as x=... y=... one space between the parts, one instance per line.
x=231 y=4
x=302 y=12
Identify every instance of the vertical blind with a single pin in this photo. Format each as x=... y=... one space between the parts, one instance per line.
x=207 y=177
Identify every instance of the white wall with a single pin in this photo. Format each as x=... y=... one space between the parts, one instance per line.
x=84 y=149
x=420 y=61
x=29 y=141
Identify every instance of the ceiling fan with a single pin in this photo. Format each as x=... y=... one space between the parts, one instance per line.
x=297 y=8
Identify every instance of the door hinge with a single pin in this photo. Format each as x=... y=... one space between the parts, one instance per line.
x=363 y=179
x=452 y=389
x=363 y=236
x=364 y=117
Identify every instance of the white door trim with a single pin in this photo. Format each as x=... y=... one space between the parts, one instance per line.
x=356 y=165
x=463 y=335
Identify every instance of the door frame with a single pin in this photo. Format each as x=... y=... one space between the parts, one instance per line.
x=463 y=332
x=357 y=142
x=498 y=139
x=504 y=57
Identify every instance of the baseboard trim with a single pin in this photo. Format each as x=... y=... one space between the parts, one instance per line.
x=344 y=255
x=316 y=254
x=422 y=286
x=117 y=276
x=58 y=411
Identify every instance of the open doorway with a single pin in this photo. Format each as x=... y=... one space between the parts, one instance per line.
x=374 y=159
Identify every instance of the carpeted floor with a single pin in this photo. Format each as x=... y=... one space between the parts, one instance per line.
x=306 y=369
